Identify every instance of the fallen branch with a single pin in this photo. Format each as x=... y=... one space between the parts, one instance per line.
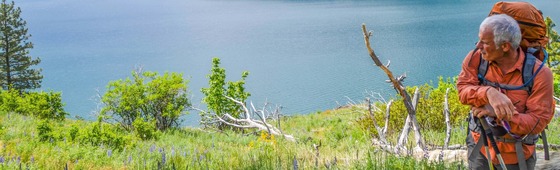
x=380 y=131
x=406 y=129
x=248 y=122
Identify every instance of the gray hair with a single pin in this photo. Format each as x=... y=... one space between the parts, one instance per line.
x=505 y=29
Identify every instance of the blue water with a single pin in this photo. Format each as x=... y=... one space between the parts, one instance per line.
x=303 y=55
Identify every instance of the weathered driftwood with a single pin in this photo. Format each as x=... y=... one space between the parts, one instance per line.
x=406 y=129
x=381 y=132
x=397 y=84
x=447 y=121
x=248 y=122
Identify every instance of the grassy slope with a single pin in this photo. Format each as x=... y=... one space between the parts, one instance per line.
x=342 y=145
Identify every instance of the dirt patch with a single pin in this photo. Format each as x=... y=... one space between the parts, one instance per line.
x=553 y=163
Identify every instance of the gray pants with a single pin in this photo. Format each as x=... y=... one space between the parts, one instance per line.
x=478 y=161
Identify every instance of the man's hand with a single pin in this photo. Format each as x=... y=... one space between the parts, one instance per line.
x=480 y=112
x=503 y=108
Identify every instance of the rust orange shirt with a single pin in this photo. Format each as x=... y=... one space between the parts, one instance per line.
x=534 y=110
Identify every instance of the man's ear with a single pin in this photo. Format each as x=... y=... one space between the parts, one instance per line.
x=506 y=46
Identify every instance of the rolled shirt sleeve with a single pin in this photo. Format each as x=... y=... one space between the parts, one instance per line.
x=470 y=92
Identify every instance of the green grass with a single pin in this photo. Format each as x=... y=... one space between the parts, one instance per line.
x=343 y=145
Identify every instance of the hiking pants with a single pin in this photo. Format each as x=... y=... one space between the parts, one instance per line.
x=478 y=161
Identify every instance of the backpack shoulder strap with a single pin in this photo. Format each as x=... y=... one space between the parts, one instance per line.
x=527 y=70
x=482 y=66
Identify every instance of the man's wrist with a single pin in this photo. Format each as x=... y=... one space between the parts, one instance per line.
x=489 y=92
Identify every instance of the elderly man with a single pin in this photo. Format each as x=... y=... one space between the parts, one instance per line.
x=499 y=96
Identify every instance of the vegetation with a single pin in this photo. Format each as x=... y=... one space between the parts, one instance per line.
x=15 y=62
x=215 y=95
x=331 y=139
x=553 y=49
x=44 y=105
x=146 y=102
x=341 y=144
x=429 y=109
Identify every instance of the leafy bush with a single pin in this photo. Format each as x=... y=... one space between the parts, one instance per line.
x=44 y=130
x=429 y=112
x=45 y=105
x=145 y=129
x=98 y=133
x=215 y=94
x=10 y=100
x=148 y=96
x=553 y=49
x=73 y=133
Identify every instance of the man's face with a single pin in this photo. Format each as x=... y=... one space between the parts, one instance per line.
x=487 y=46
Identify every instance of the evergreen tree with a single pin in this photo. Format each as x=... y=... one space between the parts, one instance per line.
x=15 y=62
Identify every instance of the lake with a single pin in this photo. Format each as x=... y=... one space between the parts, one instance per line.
x=306 y=56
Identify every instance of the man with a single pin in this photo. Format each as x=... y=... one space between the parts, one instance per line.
x=526 y=111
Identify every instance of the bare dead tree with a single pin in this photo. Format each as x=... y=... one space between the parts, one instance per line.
x=406 y=129
x=447 y=121
x=247 y=121
x=420 y=151
x=397 y=85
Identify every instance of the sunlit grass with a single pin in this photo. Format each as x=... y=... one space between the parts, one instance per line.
x=325 y=140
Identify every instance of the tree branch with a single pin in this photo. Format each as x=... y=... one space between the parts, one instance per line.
x=247 y=122
x=396 y=82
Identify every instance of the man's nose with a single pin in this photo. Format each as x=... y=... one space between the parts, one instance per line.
x=478 y=45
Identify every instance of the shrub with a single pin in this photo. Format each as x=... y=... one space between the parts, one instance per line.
x=73 y=133
x=9 y=100
x=215 y=94
x=148 y=96
x=145 y=129
x=45 y=105
x=553 y=49
x=46 y=131
x=429 y=112
x=99 y=133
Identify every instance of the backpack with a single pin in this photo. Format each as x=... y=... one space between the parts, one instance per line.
x=531 y=22
x=533 y=41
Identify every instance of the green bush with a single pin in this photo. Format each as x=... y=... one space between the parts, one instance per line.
x=99 y=133
x=429 y=112
x=45 y=105
x=44 y=130
x=215 y=94
x=10 y=100
x=148 y=96
x=73 y=133
x=553 y=49
x=145 y=129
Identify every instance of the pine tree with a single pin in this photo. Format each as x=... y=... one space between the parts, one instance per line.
x=15 y=62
